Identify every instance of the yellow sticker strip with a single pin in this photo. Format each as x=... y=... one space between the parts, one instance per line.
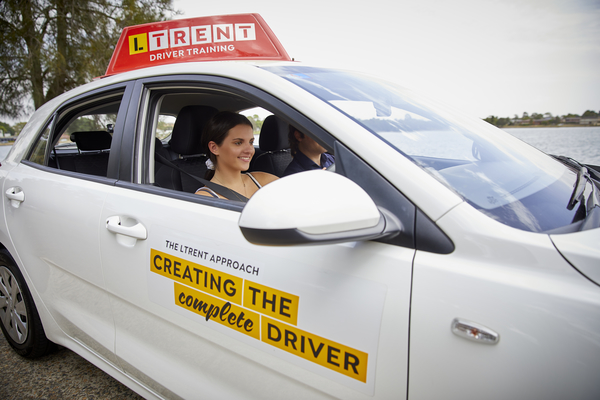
x=222 y=312
x=332 y=355
x=217 y=283
x=272 y=302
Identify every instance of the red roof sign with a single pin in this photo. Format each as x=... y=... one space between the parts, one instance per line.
x=226 y=37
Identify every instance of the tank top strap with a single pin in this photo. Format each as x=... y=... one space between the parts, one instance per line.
x=209 y=191
x=254 y=180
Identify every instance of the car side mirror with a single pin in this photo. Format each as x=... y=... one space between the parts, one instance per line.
x=314 y=207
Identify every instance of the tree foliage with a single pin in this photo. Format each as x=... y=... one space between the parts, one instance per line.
x=546 y=119
x=257 y=122
x=6 y=128
x=51 y=46
x=500 y=122
x=590 y=114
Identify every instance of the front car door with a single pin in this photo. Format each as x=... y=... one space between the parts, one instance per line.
x=202 y=312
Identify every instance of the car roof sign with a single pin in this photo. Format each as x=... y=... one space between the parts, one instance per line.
x=225 y=37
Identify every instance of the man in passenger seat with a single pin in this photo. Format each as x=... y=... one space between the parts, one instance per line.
x=307 y=153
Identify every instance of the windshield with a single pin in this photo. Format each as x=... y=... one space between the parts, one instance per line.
x=493 y=171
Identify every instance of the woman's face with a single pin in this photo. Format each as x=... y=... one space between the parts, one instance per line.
x=237 y=149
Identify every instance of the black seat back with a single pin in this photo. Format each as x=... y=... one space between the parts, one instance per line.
x=273 y=143
x=93 y=154
x=92 y=140
x=186 y=142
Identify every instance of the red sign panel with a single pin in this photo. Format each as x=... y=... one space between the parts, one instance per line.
x=226 y=37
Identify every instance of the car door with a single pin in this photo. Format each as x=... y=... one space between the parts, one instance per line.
x=202 y=313
x=56 y=197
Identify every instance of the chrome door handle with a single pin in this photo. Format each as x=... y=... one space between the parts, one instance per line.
x=16 y=196
x=474 y=331
x=136 y=231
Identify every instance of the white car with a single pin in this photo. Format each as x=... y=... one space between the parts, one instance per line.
x=440 y=258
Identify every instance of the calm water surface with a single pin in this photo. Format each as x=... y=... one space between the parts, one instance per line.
x=581 y=144
x=4 y=151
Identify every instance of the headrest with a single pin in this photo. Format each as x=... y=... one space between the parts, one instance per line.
x=273 y=134
x=188 y=128
x=92 y=140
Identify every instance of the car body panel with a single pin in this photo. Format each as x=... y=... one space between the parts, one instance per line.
x=582 y=251
x=65 y=268
x=326 y=284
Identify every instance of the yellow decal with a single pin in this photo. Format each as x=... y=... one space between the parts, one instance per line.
x=220 y=311
x=217 y=296
x=332 y=355
x=138 y=43
x=272 y=302
x=217 y=283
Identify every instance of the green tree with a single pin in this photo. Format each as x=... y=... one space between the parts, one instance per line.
x=590 y=114
x=51 y=46
x=503 y=122
x=499 y=122
x=492 y=119
x=6 y=128
x=19 y=127
x=256 y=121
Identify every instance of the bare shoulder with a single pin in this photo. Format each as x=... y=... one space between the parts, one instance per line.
x=264 y=178
x=203 y=193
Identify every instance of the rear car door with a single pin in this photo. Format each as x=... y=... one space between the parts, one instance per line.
x=56 y=197
x=201 y=312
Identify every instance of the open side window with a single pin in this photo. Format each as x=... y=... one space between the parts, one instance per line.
x=173 y=127
x=80 y=136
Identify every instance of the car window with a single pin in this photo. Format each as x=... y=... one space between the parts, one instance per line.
x=81 y=138
x=175 y=122
x=494 y=172
x=257 y=116
x=164 y=127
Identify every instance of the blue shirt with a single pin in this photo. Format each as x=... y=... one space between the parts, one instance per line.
x=302 y=163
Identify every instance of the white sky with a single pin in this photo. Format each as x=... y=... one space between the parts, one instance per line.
x=482 y=56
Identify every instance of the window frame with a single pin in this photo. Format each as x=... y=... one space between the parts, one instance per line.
x=65 y=114
x=141 y=115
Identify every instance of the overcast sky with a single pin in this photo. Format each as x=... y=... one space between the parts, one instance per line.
x=486 y=57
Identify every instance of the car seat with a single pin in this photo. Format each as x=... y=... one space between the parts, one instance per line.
x=186 y=143
x=273 y=141
x=93 y=152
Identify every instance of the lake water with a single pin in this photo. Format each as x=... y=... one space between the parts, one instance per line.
x=4 y=151
x=579 y=143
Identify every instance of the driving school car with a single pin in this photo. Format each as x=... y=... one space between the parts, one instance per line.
x=440 y=258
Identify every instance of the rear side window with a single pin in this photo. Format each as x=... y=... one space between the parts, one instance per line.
x=81 y=139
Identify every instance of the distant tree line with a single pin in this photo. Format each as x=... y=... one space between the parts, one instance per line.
x=546 y=119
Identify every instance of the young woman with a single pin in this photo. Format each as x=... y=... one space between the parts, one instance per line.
x=228 y=139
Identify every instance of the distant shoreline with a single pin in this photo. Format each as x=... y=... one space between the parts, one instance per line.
x=549 y=126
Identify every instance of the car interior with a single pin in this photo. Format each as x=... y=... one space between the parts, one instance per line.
x=182 y=147
x=82 y=137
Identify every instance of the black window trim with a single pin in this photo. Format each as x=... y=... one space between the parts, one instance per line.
x=70 y=107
